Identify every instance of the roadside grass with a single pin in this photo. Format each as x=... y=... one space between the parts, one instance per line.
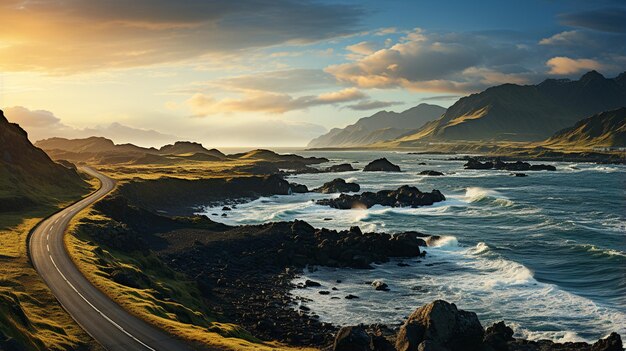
x=162 y=297
x=30 y=316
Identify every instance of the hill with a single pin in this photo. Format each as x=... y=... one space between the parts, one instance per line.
x=513 y=112
x=27 y=175
x=191 y=148
x=381 y=126
x=602 y=130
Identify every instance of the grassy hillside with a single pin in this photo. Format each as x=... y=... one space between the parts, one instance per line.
x=30 y=316
x=28 y=177
x=602 y=130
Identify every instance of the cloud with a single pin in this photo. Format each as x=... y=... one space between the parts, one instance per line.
x=372 y=105
x=446 y=62
x=82 y=35
x=204 y=105
x=566 y=65
x=283 y=81
x=363 y=48
x=611 y=20
x=41 y=124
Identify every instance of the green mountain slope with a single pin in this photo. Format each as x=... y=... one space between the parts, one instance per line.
x=605 y=129
x=28 y=177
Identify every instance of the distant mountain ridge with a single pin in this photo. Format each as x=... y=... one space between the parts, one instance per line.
x=603 y=130
x=381 y=126
x=511 y=112
x=27 y=175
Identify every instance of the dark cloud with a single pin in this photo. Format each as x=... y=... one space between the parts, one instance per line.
x=82 y=35
x=611 y=20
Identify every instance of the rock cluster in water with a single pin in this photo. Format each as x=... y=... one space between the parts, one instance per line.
x=404 y=196
x=338 y=185
x=473 y=163
x=441 y=326
x=381 y=165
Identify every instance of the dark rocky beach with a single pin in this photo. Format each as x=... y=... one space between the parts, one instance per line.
x=245 y=273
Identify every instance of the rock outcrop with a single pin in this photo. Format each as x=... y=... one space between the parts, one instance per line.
x=381 y=165
x=473 y=163
x=405 y=196
x=338 y=185
x=440 y=325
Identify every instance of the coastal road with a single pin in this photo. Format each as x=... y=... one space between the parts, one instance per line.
x=108 y=323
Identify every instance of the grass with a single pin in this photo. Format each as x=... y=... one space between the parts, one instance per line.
x=162 y=297
x=29 y=313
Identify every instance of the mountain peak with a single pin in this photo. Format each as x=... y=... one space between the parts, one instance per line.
x=591 y=75
x=2 y=118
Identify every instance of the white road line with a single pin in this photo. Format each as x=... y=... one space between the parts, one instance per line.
x=48 y=247
x=97 y=310
x=48 y=237
x=50 y=228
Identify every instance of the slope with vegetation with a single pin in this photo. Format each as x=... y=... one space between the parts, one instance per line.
x=383 y=125
x=32 y=186
x=602 y=130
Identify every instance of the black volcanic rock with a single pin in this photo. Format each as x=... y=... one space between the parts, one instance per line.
x=473 y=163
x=405 y=196
x=298 y=188
x=443 y=325
x=381 y=165
x=431 y=173
x=344 y=167
x=353 y=339
x=338 y=185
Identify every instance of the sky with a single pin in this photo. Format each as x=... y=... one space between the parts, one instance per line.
x=279 y=72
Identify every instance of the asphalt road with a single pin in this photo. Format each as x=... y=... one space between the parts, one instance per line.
x=108 y=323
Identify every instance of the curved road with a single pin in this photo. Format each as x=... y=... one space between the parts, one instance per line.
x=108 y=323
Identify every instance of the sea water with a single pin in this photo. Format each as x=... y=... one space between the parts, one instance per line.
x=545 y=253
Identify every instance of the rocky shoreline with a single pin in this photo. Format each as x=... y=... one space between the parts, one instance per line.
x=245 y=274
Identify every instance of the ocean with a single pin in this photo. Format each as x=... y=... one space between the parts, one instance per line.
x=545 y=253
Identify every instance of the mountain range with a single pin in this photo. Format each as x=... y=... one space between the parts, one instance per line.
x=28 y=176
x=513 y=112
x=381 y=126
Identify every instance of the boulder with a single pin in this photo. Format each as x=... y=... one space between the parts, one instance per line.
x=379 y=285
x=381 y=165
x=353 y=339
x=431 y=173
x=298 y=188
x=473 y=163
x=338 y=185
x=311 y=283
x=612 y=343
x=497 y=336
x=344 y=167
x=442 y=323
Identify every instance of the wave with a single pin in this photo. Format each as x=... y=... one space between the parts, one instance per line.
x=478 y=195
x=602 y=251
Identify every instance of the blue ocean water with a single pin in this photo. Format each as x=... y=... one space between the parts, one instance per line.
x=546 y=253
